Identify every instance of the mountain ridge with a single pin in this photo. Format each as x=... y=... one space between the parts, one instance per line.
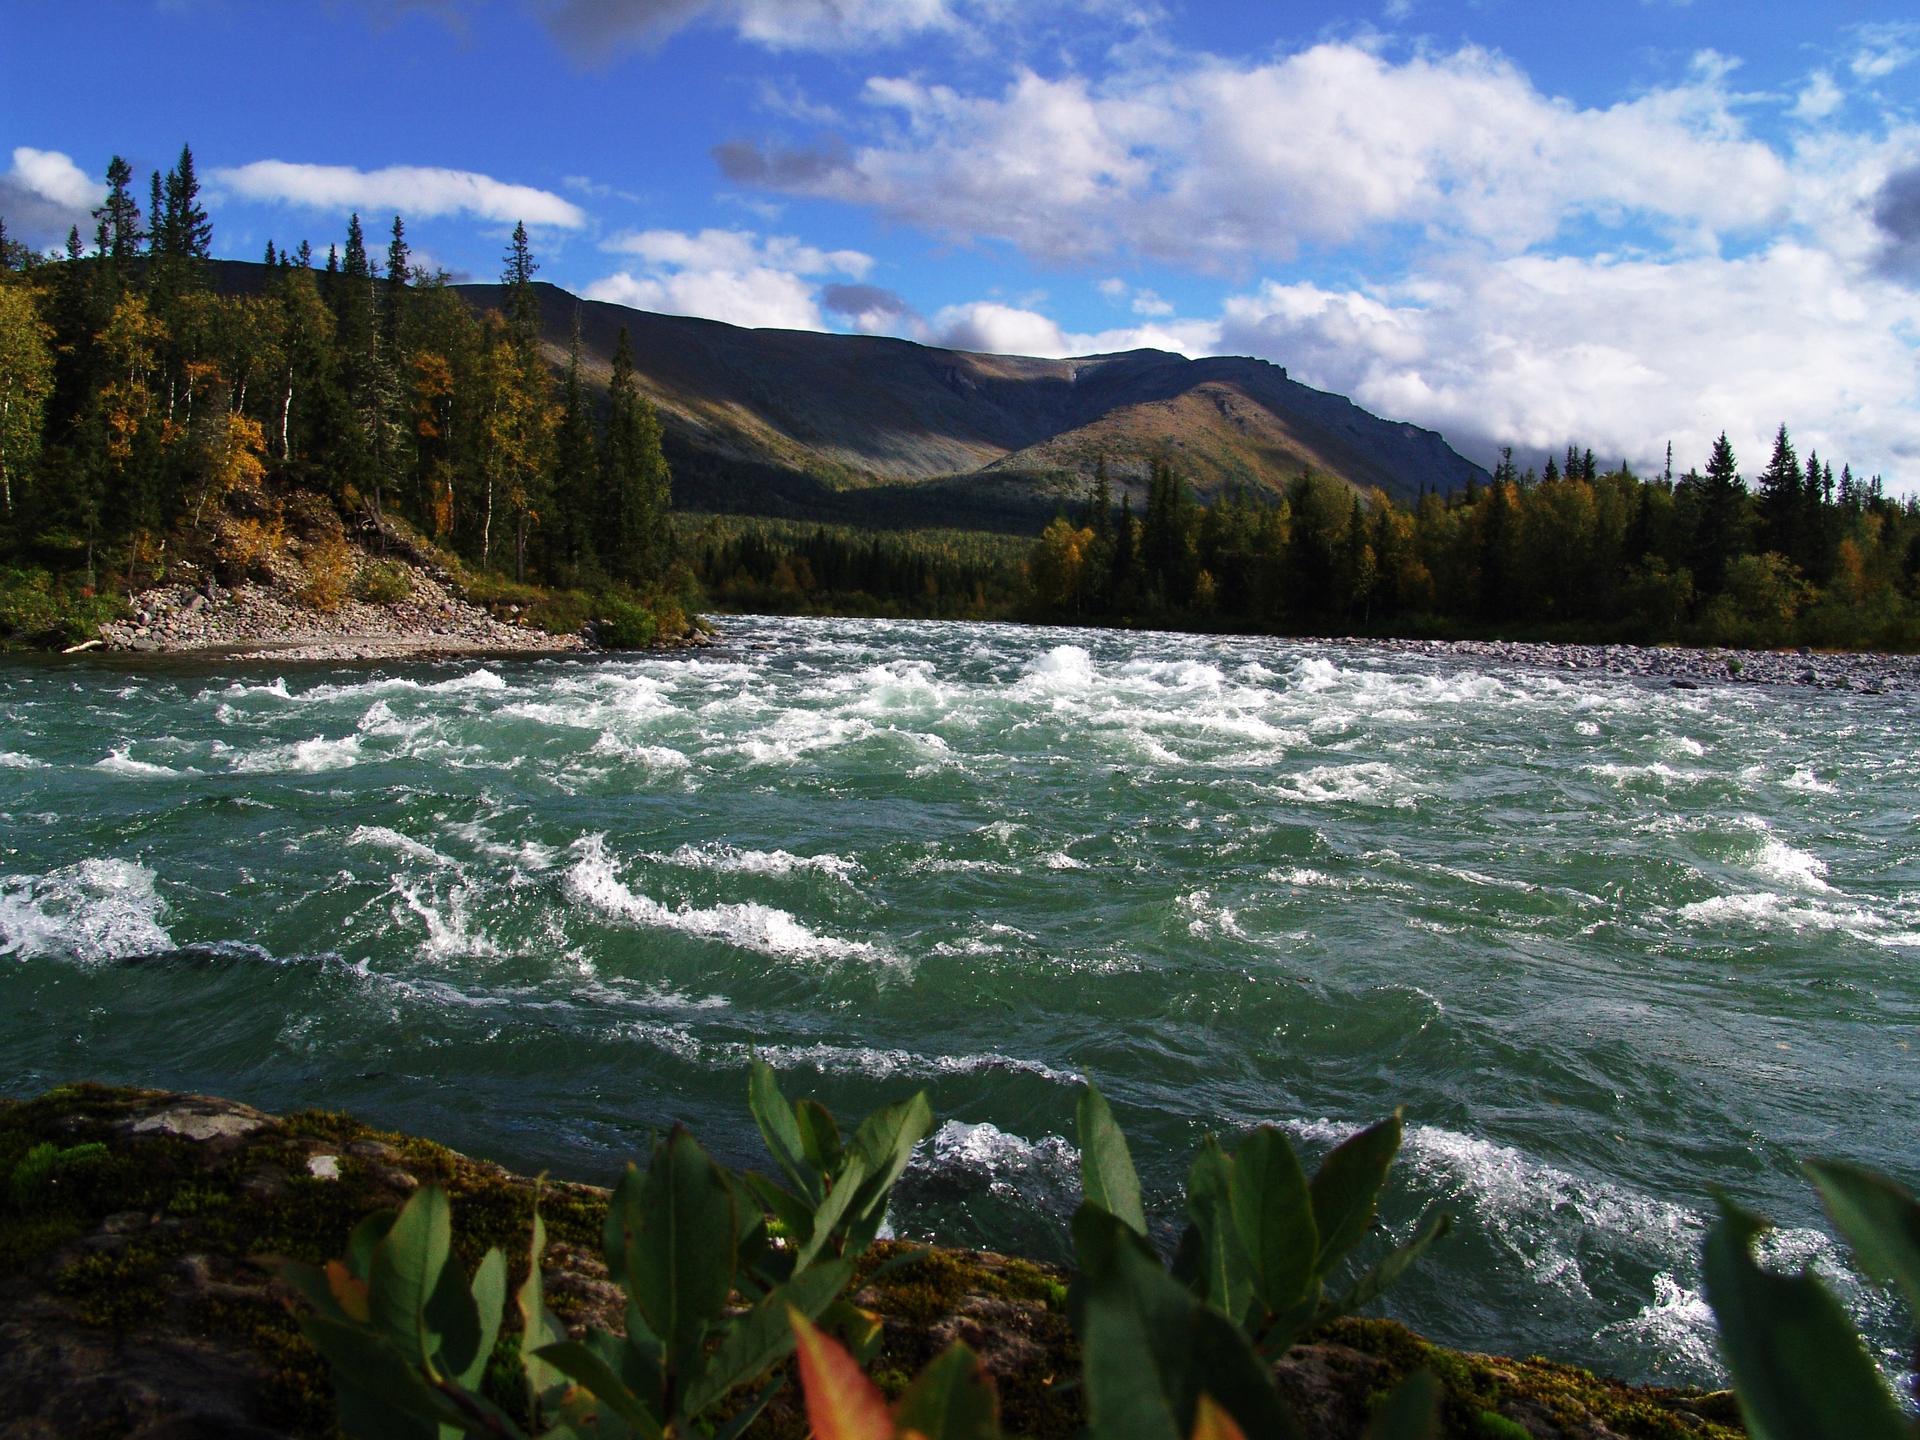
x=820 y=425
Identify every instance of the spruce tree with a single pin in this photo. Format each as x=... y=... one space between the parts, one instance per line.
x=633 y=477
x=1720 y=526
x=576 y=474
x=273 y=260
x=156 y=217
x=523 y=306
x=395 y=298
x=1779 y=501
x=118 y=217
x=189 y=233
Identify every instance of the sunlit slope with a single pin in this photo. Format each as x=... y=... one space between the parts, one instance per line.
x=797 y=418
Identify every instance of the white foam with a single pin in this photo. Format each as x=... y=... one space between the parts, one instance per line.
x=1768 y=910
x=119 y=762
x=1365 y=783
x=451 y=930
x=1808 y=783
x=727 y=860
x=592 y=881
x=1677 y=1325
x=14 y=760
x=1064 y=667
x=302 y=757
x=1779 y=861
x=94 y=910
x=1012 y=1165
x=654 y=757
x=379 y=837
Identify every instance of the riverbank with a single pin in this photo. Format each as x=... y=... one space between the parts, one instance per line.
x=139 y=1290
x=268 y=622
x=1858 y=672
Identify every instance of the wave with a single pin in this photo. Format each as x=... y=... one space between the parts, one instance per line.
x=305 y=757
x=14 y=760
x=120 y=762
x=592 y=881
x=93 y=911
x=725 y=859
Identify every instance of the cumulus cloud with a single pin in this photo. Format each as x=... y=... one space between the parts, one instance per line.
x=1819 y=99
x=1213 y=163
x=1884 y=47
x=414 y=191
x=44 y=194
x=870 y=309
x=731 y=275
x=1619 y=354
x=998 y=329
x=1896 y=211
x=593 y=29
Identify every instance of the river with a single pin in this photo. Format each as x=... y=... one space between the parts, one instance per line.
x=1610 y=943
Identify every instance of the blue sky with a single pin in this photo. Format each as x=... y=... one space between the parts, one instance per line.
x=1614 y=224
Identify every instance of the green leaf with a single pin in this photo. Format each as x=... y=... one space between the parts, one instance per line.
x=1375 y=1283
x=1410 y=1412
x=833 y=1210
x=680 y=1264
x=775 y=1116
x=311 y=1281
x=367 y=1362
x=1346 y=1188
x=1222 y=1276
x=455 y=1323
x=404 y=1271
x=1798 y=1367
x=367 y=1234
x=596 y=1377
x=624 y=1216
x=1151 y=1349
x=762 y=1337
x=951 y=1399
x=538 y=1327
x=1107 y=1177
x=1880 y=1220
x=1274 y=1212
x=819 y=1136
x=748 y=1413
x=885 y=1141
x=490 y=1301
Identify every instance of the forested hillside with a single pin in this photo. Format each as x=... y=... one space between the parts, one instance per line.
x=150 y=415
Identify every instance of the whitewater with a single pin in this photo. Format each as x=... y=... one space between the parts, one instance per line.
x=1610 y=943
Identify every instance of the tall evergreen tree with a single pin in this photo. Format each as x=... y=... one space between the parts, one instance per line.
x=393 y=310
x=1721 y=523
x=1779 y=499
x=118 y=217
x=576 y=473
x=633 y=477
x=188 y=231
x=523 y=306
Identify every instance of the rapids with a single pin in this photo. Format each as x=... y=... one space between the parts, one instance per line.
x=1610 y=943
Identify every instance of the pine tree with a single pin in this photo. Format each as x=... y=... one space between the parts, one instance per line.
x=1551 y=473
x=156 y=217
x=633 y=477
x=1780 y=497
x=304 y=256
x=272 y=260
x=576 y=474
x=189 y=233
x=1720 y=524
x=118 y=217
x=393 y=309
x=523 y=306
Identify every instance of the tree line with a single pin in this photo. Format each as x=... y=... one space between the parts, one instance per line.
x=144 y=412
x=1567 y=551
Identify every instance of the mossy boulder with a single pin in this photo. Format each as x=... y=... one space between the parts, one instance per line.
x=139 y=1290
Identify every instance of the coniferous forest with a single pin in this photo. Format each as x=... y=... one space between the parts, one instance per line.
x=146 y=417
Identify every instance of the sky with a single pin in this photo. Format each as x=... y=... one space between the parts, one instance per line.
x=1616 y=224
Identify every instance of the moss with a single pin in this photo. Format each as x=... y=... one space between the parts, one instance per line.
x=1486 y=1396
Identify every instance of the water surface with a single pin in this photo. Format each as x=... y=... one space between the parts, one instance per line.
x=1610 y=943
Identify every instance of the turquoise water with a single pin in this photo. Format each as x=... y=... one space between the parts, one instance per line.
x=1610 y=943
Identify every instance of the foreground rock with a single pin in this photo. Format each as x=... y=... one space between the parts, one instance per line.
x=138 y=1289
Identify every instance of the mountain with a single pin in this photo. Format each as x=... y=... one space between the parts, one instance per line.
x=870 y=429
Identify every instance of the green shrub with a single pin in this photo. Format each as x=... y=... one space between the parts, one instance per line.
x=37 y=609
x=383 y=582
x=623 y=625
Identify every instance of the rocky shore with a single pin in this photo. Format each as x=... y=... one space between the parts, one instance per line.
x=140 y=1292
x=259 y=622
x=1683 y=668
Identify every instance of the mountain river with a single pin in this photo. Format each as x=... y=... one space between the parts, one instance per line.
x=1609 y=942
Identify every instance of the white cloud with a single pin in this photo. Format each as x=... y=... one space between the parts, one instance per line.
x=44 y=194
x=1619 y=354
x=730 y=275
x=1146 y=302
x=997 y=329
x=1211 y=163
x=593 y=27
x=54 y=177
x=1819 y=99
x=414 y=191
x=1885 y=47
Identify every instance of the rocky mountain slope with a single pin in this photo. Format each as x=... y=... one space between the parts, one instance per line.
x=857 y=427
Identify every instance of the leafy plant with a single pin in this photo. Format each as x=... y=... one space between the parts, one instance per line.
x=1799 y=1367
x=951 y=1399
x=711 y=1292
x=1250 y=1275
